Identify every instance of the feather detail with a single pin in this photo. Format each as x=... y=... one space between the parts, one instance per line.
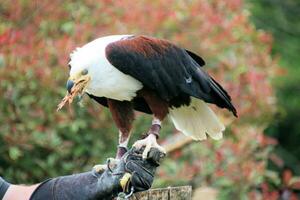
x=197 y=120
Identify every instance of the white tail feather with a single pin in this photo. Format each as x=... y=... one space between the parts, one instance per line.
x=197 y=120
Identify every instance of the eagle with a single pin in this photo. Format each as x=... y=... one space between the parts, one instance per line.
x=128 y=73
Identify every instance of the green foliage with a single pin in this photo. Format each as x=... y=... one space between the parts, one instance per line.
x=38 y=142
x=281 y=18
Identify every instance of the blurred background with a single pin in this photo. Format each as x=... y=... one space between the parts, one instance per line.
x=250 y=46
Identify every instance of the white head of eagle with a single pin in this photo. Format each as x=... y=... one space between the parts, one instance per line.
x=154 y=76
x=89 y=65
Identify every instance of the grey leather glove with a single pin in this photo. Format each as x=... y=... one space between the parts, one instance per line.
x=130 y=174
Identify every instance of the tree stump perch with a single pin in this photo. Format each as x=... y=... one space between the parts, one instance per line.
x=169 y=193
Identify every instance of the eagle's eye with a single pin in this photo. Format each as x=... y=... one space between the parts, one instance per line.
x=84 y=72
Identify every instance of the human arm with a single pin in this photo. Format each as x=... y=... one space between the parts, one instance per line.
x=130 y=172
x=21 y=192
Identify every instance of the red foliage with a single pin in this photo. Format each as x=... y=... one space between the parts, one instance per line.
x=39 y=36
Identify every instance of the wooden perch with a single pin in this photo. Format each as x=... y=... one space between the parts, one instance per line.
x=169 y=193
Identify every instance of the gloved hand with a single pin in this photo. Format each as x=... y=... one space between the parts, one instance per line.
x=130 y=174
x=139 y=173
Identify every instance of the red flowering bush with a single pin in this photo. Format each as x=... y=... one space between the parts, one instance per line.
x=35 y=42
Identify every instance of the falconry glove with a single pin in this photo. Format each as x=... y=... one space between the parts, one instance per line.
x=138 y=172
x=130 y=174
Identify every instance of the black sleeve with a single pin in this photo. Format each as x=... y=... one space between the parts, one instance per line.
x=83 y=186
x=3 y=187
x=78 y=186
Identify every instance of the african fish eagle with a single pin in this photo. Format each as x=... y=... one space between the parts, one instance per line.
x=153 y=76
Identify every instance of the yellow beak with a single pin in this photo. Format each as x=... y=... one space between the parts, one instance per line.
x=77 y=83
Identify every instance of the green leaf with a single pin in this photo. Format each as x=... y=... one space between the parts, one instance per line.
x=14 y=153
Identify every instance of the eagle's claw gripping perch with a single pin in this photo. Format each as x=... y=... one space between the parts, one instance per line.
x=149 y=142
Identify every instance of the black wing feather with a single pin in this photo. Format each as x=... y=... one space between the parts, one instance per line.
x=197 y=58
x=170 y=71
x=139 y=103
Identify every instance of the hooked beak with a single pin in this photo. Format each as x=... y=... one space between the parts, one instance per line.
x=70 y=85
x=77 y=84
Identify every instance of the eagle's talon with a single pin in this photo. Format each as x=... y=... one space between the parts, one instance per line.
x=148 y=143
